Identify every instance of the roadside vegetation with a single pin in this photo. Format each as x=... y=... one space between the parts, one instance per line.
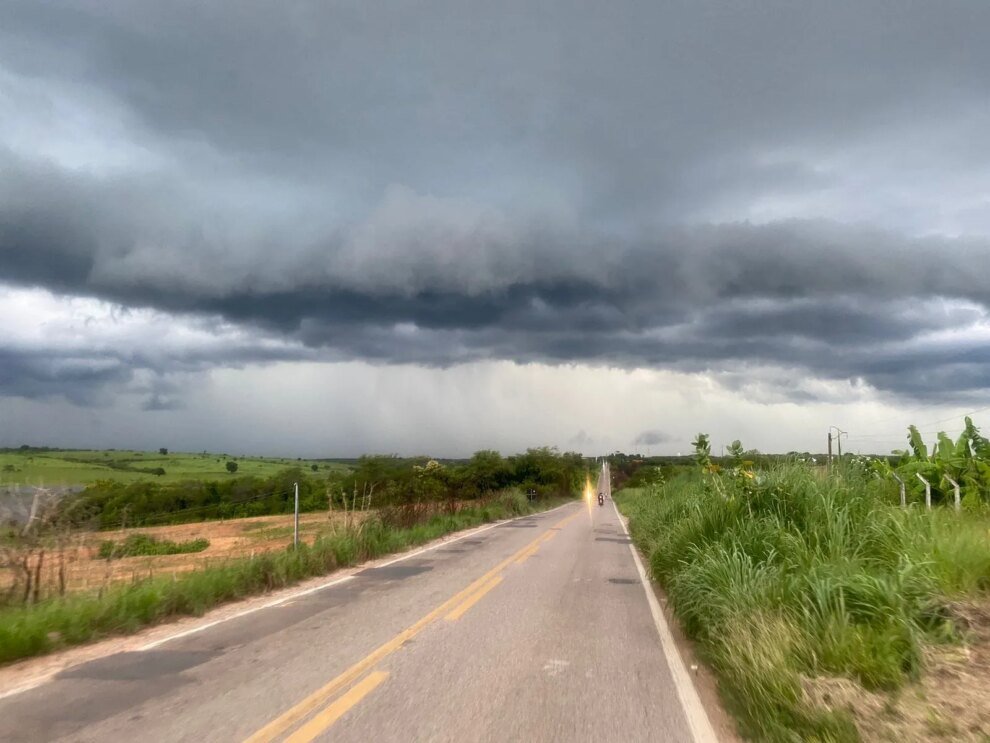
x=36 y=628
x=143 y=544
x=789 y=578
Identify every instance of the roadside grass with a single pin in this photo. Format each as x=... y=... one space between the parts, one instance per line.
x=35 y=629
x=791 y=576
x=143 y=544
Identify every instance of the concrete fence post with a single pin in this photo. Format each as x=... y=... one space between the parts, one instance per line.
x=955 y=487
x=900 y=482
x=928 y=491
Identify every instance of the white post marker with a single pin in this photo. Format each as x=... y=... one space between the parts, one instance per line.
x=928 y=491
x=903 y=494
x=295 y=529
x=955 y=487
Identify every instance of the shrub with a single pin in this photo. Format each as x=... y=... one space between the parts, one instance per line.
x=145 y=544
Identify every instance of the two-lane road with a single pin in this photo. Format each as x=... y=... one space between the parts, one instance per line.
x=536 y=629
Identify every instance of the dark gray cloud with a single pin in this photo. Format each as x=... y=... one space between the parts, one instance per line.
x=681 y=185
x=42 y=374
x=652 y=438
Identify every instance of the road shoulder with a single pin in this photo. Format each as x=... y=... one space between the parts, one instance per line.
x=702 y=679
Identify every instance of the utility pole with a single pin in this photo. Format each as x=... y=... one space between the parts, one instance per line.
x=828 y=461
x=295 y=528
x=839 y=433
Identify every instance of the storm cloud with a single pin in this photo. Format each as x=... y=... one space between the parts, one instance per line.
x=764 y=192
x=651 y=438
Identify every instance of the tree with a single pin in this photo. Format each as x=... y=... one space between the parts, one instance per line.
x=314 y=467
x=231 y=467
x=488 y=471
x=158 y=471
x=163 y=451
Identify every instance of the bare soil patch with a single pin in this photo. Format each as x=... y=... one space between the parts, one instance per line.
x=950 y=702
x=228 y=539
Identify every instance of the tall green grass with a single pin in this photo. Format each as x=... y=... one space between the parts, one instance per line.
x=790 y=575
x=39 y=628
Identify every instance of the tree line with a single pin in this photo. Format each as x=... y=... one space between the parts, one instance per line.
x=374 y=481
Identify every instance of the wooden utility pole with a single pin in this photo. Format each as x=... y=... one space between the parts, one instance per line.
x=828 y=461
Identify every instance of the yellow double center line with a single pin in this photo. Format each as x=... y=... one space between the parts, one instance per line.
x=454 y=608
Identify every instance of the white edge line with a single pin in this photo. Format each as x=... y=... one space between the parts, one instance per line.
x=337 y=581
x=694 y=710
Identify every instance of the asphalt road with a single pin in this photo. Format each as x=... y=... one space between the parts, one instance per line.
x=538 y=629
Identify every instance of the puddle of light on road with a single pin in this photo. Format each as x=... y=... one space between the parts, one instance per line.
x=588 y=492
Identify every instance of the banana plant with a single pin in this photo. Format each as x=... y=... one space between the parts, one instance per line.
x=966 y=460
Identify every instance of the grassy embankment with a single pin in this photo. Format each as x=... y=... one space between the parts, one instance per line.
x=39 y=628
x=790 y=577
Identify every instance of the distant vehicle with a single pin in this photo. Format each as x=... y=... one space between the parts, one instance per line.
x=601 y=499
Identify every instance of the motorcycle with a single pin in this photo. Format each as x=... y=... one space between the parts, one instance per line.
x=601 y=499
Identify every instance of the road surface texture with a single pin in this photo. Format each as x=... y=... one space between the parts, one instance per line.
x=538 y=629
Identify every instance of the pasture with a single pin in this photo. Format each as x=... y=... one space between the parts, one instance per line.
x=78 y=467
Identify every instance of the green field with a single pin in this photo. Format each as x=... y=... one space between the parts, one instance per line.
x=84 y=466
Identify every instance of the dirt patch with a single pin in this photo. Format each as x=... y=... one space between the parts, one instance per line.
x=77 y=559
x=950 y=702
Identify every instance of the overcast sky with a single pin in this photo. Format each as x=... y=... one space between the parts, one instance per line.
x=325 y=228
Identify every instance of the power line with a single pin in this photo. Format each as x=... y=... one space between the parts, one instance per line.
x=930 y=423
x=957 y=417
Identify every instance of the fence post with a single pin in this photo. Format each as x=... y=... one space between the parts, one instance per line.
x=955 y=487
x=928 y=491
x=903 y=494
x=295 y=529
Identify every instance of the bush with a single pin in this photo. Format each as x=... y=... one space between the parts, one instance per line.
x=231 y=466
